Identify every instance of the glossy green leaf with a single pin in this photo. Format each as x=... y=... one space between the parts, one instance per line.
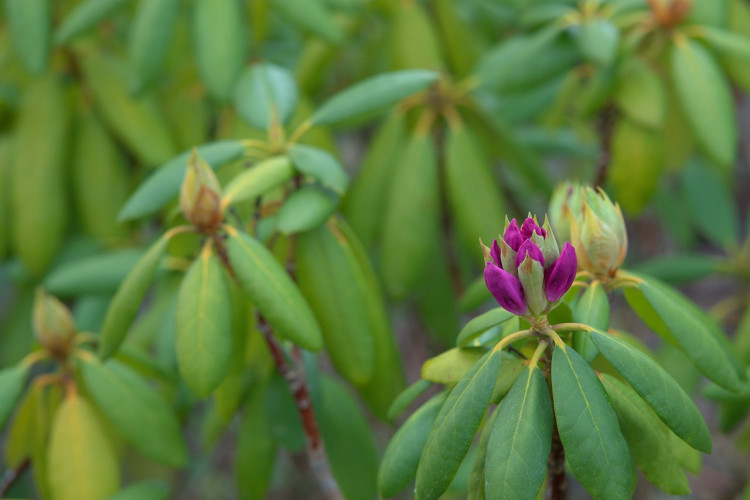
x=164 y=184
x=273 y=292
x=682 y=324
x=640 y=94
x=520 y=441
x=30 y=22
x=475 y=198
x=258 y=179
x=710 y=204
x=320 y=165
x=305 y=209
x=97 y=274
x=477 y=326
x=387 y=380
x=220 y=41
x=348 y=440
x=657 y=388
x=598 y=40
x=413 y=40
x=139 y=414
x=450 y=366
x=726 y=42
x=325 y=261
x=154 y=489
x=476 y=484
x=705 y=97
x=256 y=449
x=148 y=41
x=82 y=464
x=636 y=165
x=401 y=457
x=591 y=309
x=204 y=325
x=127 y=301
x=12 y=381
x=679 y=268
x=373 y=94
x=310 y=15
x=455 y=427
x=85 y=16
x=510 y=369
x=647 y=438
x=407 y=397
x=265 y=94
x=594 y=446
x=411 y=218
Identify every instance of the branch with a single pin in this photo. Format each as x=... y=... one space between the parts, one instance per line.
x=11 y=476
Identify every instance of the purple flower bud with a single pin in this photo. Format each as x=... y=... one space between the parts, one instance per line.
x=495 y=252
x=529 y=248
x=530 y=227
x=559 y=276
x=513 y=236
x=506 y=289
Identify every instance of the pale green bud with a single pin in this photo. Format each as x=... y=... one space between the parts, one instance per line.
x=200 y=195
x=53 y=324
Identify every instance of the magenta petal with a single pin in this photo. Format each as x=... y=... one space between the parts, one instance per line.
x=513 y=236
x=530 y=227
x=533 y=251
x=495 y=253
x=559 y=276
x=506 y=289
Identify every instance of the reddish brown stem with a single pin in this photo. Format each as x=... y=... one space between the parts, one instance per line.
x=11 y=476
x=606 y=127
x=295 y=378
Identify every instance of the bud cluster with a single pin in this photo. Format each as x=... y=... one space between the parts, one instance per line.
x=526 y=271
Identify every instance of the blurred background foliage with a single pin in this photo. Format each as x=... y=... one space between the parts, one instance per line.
x=646 y=98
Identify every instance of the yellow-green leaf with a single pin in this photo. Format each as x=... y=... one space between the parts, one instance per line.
x=30 y=22
x=258 y=179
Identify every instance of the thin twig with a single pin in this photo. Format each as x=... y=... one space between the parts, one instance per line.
x=11 y=476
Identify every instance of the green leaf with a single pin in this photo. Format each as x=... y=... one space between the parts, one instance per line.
x=521 y=440
x=259 y=179
x=485 y=321
x=309 y=15
x=140 y=415
x=657 y=388
x=640 y=94
x=594 y=446
x=85 y=16
x=256 y=449
x=407 y=397
x=681 y=323
x=82 y=464
x=12 y=380
x=705 y=97
x=476 y=484
x=679 y=268
x=401 y=457
x=154 y=489
x=591 y=309
x=127 y=301
x=219 y=41
x=273 y=292
x=164 y=184
x=305 y=209
x=450 y=366
x=455 y=427
x=320 y=165
x=410 y=223
x=711 y=204
x=348 y=441
x=636 y=165
x=148 y=41
x=325 y=261
x=598 y=40
x=97 y=274
x=365 y=200
x=373 y=94
x=30 y=22
x=265 y=94
x=510 y=369
x=726 y=42
x=204 y=325
x=413 y=40
x=475 y=199
x=647 y=438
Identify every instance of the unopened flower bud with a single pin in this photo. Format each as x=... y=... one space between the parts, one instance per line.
x=53 y=324
x=566 y=202
x=598 y=233
x=200 y=195
x=525 y=270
